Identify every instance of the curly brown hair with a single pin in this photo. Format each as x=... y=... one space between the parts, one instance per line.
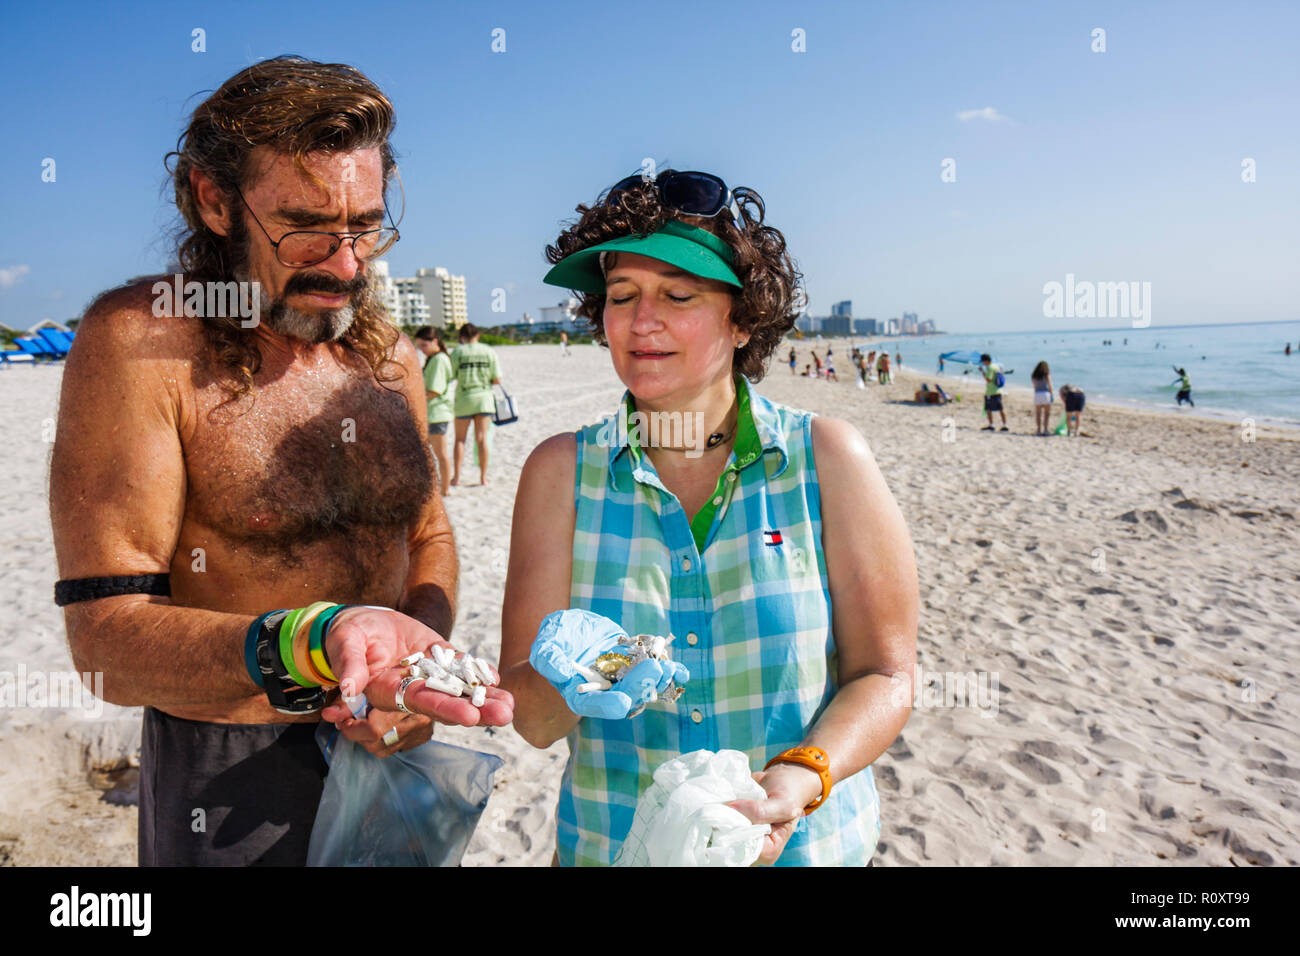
x=772 y=294
x=296 y=106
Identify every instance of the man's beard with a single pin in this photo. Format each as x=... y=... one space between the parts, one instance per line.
x=329 y=325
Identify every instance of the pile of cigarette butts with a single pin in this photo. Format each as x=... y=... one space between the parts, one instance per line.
x=609 y=669
x=465 y=676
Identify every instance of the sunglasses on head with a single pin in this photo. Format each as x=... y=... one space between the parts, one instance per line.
x=692 y=193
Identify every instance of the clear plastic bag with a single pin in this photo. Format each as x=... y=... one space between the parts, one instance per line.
x=683 y=818
x=418 y=807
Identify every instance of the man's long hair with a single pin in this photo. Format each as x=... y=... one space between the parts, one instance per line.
x=295 y=106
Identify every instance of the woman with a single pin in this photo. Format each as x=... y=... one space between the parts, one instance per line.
x=1042 y=378
x=476 y=371
x=740 y=548
x=438 y=379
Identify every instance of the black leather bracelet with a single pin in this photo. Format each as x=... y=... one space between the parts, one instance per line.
x=90 y=589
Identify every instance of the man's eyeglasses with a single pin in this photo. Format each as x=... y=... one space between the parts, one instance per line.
x=308 y=247
x=692 y=193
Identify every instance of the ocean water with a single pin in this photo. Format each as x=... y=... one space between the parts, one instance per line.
x=1236 y=370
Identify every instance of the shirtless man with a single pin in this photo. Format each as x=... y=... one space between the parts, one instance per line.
x=241 y=470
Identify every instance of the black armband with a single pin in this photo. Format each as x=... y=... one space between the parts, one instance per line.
x=90 y=589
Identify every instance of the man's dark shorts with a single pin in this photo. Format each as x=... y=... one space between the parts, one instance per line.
x=1074 y=401
x=257 y=787
x=992 y=403
x=438 y=428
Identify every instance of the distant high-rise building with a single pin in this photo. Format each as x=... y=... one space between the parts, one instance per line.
x=445 y=295
x=837 y=325
x=864 y=326
x=805 y=323
x=842 y=308
x=908 y=325
x=406 y=302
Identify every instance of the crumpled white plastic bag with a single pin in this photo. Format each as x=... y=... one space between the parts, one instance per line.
x=683 y=819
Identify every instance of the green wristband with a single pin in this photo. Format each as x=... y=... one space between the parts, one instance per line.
x=286 y=648
x=316 y=635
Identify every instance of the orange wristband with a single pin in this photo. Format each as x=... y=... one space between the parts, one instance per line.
x=814 y=758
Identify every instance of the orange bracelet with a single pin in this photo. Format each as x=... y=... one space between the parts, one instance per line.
x=814 y=758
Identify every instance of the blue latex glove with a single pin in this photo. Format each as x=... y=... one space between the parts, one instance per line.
x=577 y=635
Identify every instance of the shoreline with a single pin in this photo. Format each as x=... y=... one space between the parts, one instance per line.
x=1208 y=414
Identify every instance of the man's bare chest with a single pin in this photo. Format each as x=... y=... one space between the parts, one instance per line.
x=307 y=460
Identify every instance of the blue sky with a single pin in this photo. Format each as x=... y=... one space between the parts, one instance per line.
x=1115 y=166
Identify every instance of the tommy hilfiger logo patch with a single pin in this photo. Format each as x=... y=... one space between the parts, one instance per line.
x=771 y=538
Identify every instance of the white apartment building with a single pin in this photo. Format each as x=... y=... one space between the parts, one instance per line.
x=430 y=297
x=444 y=294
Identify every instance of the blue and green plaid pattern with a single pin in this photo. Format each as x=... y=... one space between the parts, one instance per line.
x=763 y=661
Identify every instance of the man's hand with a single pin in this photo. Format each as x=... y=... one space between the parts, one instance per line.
x=369 y=731
x=790 y=788
x=364 y=646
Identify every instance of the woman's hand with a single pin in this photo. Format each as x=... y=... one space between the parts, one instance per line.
x=789 y=788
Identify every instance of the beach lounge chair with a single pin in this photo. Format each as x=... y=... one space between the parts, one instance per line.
x=15 y=357
x=35 y=348
x=58 y=341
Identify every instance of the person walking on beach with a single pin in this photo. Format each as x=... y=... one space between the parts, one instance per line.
x=882 y=369
x=993 y=380
x=898 y=359
x=770 y=668
x=1072 y=398
x=438 y=380
x=817 y=364
x=564 y=344
x=1042 y=379
x=940 y=364
x=830 y=370
x=476 y=371
x=864 y=370
x=257 y=463
x=793 y=361
x=1184 y=387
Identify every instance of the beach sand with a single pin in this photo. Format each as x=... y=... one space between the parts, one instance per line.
x=1130 y=598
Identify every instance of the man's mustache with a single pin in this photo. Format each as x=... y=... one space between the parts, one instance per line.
x=304 y=282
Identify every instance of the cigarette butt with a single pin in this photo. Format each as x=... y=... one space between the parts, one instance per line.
x=410 y=659
x=590 y=686
x=448 y=685
x=587 y=672
x=485 y=670
x=480 y=696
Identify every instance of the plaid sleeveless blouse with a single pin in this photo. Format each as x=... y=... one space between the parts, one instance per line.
x=751 y=615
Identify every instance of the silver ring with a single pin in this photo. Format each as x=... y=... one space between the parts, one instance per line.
x=401 y=691
x=391 y=737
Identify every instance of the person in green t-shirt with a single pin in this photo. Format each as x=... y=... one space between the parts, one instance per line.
x=992 y=391
x=1184 y=387
x=476 y=371
x=438 y=380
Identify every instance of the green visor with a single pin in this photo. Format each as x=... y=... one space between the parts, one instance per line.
x=689 y=248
